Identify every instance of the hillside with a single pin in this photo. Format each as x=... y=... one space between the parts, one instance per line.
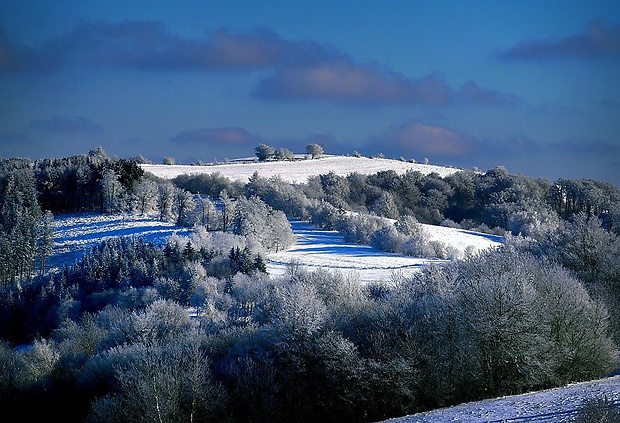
x=320 y=249
x=315 y=248
x=298 y=171
x=129 y=274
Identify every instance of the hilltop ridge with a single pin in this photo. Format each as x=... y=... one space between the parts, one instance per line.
x=298 y=171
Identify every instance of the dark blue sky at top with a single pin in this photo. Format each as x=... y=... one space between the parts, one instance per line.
x=533 y=86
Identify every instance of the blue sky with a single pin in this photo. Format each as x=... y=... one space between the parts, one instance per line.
x=532 y=86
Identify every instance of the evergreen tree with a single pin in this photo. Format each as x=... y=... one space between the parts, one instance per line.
x=45 y=241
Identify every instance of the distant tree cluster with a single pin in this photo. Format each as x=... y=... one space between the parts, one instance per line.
x=266 y=152
x=494 y=201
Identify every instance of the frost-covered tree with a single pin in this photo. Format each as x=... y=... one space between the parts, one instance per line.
x=518 y=310
x=264 y=152
x=162 y=382
x=284 y=154
x=206 y=214
x=145 y=191
x=256 y=220
x=227 y=210
x=165 y=200
x=314 y=150
x=45 y=241
x=20 y=215
x=182 y=206
x=300 y=314
x=111 y=190
x=386 y=206
x=336 y=189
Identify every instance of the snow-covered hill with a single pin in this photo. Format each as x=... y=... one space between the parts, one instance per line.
x=315 y=248
x=298 y=171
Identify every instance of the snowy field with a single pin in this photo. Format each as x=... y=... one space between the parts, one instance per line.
x=298 y=171
x=76 y=233
x=320 y=249
x=315 y=248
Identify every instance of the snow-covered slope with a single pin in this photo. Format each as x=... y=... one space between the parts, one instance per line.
x=76 y=233
x=315 y=248
x=553 y=405
x=299 y=170
x=320 y=249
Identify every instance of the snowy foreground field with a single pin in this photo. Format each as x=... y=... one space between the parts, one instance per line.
x=553 y=405
x=315 y=249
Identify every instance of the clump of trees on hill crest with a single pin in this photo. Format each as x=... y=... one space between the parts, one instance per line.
x=265 y=152
x=110 y=336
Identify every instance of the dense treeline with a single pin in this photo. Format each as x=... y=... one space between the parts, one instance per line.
x=313 y=346
x=494 y=199
x=197 y=330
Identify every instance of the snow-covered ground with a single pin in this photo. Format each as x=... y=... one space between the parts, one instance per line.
x=76 y=233
x=315 y=248
x=320 y=249
x=553 y=405
x=298 y=171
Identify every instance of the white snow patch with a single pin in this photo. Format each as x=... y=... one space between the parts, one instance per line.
x=321 y=249
x=75 y=234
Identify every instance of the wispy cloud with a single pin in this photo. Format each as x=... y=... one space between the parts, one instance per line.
x=422 y=139
x=237 y=137
x=300 y=70
x=472 y=93
x=67 y=125
x=600 y=38
x=145 y=45
x=349 y=82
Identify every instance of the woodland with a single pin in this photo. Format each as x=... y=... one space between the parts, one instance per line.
x=109 y=337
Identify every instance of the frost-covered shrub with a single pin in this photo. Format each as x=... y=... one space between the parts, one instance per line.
x=408 y=225
x=444 y=251
x=416 y=241
x=358 y=228
x=449 y=223
x=387 y=239
x=323 y=214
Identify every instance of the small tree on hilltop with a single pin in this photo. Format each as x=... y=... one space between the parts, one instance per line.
x=284 y=154
x=264 y=152
x=314 y=150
